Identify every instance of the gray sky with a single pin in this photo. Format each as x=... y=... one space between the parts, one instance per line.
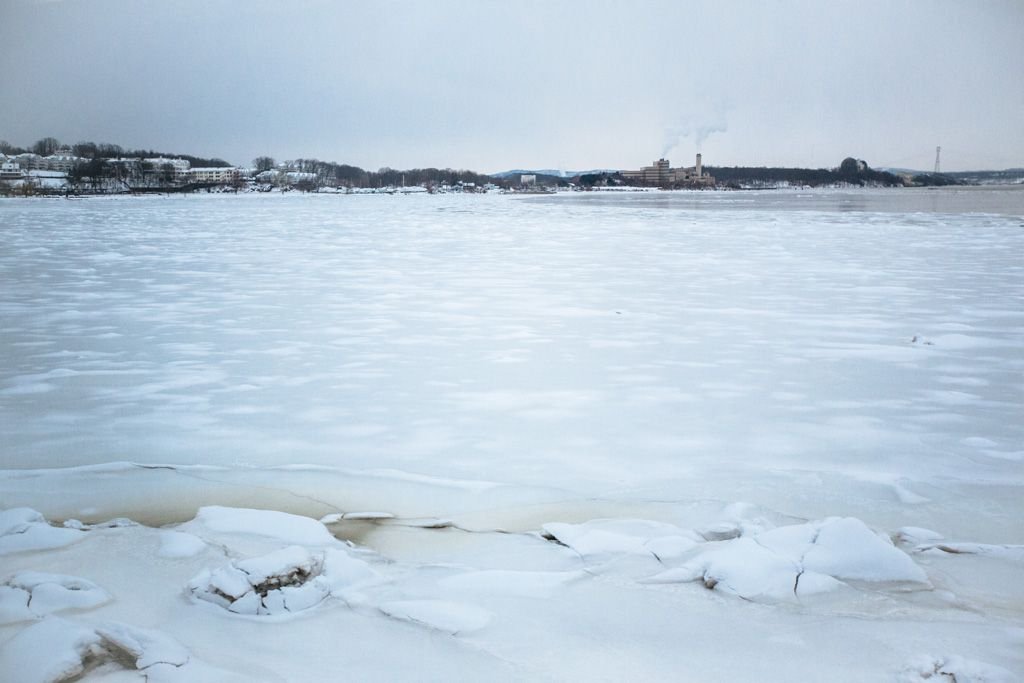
x=513 y=84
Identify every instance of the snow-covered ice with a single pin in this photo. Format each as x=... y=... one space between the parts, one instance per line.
x=25 y=529
x=31 y=595
x=292 y=438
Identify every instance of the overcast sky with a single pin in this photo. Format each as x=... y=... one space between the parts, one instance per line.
x=522 y=83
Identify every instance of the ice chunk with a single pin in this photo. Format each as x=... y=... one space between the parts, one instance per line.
x=269 y=523
x=286 y=580
x=144 y=646
x=797 y=560
x=452 y=617
x=846 y=549
x=24 y=529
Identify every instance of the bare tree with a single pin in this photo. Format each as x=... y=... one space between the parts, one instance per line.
x=46 y=146
x=263 y=164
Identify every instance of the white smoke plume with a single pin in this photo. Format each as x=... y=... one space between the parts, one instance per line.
x=699 y=126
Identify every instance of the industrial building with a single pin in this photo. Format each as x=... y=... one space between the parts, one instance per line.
x=661 y=174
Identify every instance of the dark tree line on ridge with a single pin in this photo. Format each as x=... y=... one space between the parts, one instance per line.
x=345 y=175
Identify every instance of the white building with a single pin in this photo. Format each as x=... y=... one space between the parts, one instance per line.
x=10 y=170
x=60 y=162
x=220 y=176
x=179 y=167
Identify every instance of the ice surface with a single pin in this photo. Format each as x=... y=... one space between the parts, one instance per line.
x=452 y=617
x=605 y=538
x=515 y=414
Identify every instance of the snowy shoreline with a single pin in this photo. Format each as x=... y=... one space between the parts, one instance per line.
x=489 y=589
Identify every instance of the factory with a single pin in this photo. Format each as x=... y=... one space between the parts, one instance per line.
x=661 y=174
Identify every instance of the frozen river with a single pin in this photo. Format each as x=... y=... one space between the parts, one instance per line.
x=525 y=361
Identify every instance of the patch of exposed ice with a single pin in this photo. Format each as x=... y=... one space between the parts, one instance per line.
x=24 y=529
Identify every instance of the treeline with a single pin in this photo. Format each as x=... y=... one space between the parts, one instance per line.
x=329 y=173
x=851 y=171
x=104 y=150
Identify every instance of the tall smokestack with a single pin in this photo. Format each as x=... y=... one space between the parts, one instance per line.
x=698 y=165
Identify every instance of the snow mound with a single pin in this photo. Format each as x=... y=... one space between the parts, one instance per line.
x=606 y=538
x=795 y=561
x=451 y=617
x=23 y=529
x=174 y=544
x=267 y=523
x=55 y=650
x=31 y=595
x=284 y=581
x=954 y=669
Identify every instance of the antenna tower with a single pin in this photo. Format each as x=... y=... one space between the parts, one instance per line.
x=937 y=150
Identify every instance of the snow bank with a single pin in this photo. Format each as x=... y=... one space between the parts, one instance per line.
x=55 y=650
